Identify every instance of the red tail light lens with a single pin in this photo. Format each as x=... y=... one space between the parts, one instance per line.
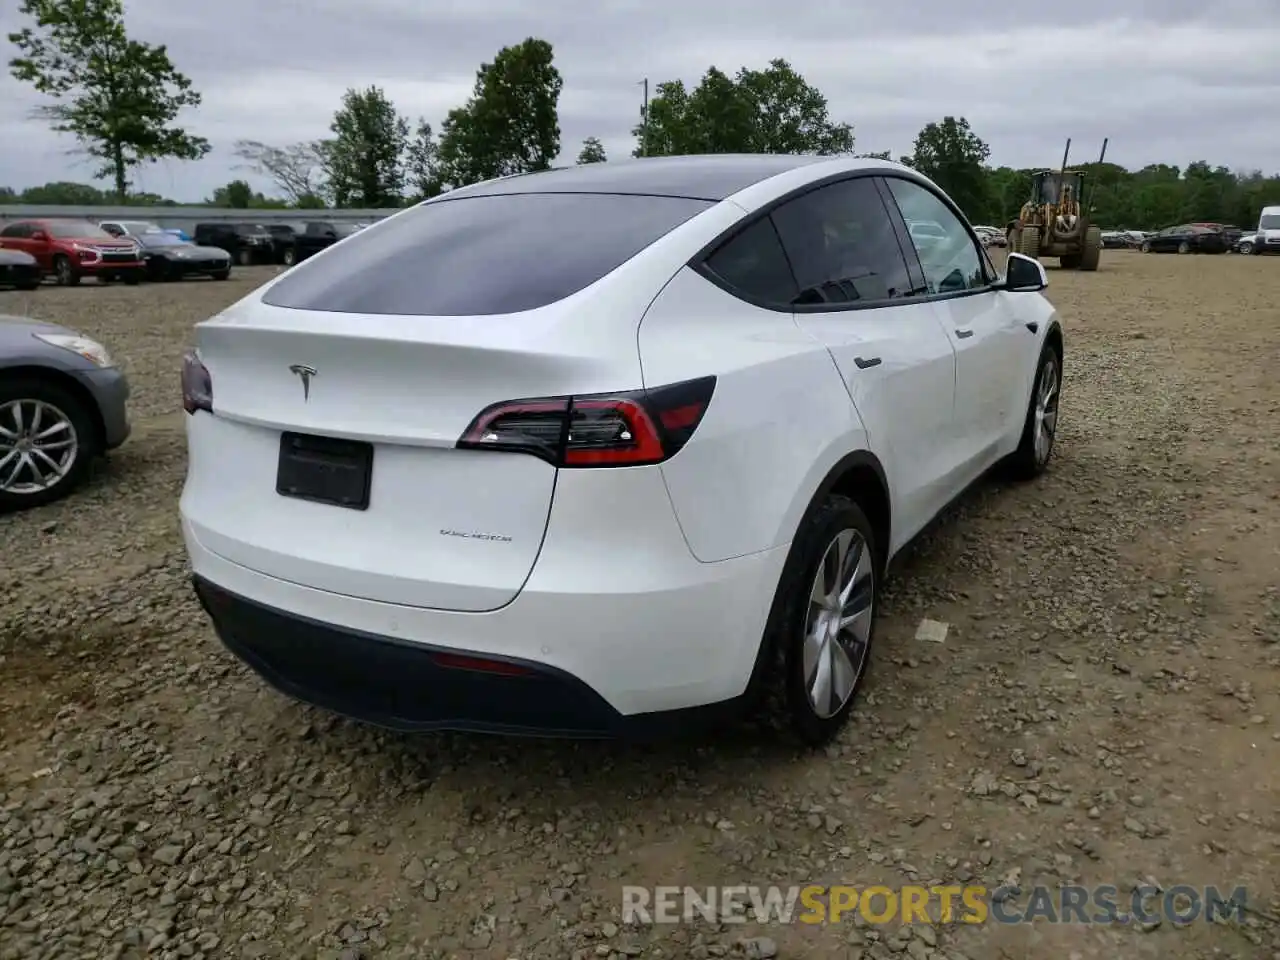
x=601 y=430
x=197 y=385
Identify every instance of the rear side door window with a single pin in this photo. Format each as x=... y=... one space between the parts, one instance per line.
x=842 y=245
x=753 y=265
x=948 y=253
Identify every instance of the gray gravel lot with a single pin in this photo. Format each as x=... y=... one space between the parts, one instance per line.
x=1104 y=710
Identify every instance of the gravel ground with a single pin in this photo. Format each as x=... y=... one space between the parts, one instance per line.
x=1104 y=710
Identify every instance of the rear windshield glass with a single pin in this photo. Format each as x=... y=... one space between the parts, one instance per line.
x=483 y=255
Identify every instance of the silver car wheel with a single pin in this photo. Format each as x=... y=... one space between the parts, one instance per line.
x=838 y=627
x=38 y=446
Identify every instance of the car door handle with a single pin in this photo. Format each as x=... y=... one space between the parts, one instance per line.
x=865 y=362
x=1033 y=327
x=964 y=334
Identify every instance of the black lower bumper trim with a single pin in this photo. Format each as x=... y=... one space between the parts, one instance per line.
x=402 y=685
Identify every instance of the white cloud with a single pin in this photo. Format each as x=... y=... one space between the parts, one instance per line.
x=1168 y=82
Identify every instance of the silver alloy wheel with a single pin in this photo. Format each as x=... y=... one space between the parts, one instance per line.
x=38 y=446
x=838 y=627
x=1046 y=417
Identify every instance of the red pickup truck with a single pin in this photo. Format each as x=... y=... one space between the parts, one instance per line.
x=72 y=249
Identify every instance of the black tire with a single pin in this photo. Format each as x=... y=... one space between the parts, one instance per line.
x=1027 y=462
x=244 y=257
x=29 y=285
x=1184 y=247
x=1246 y=248
x=289 y=257
x=1091 y=254
x=82 y=422
x=221 y=274
x=64 y=271
x=1146 y=247
x=1029 y=242
x=133 y=278
x=782 y=652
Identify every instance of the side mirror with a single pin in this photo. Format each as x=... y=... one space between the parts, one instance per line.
x=1022 y=274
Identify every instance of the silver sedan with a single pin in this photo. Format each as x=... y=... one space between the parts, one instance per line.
x=62 y=403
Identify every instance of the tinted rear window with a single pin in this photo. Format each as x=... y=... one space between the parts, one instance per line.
x=482 y=255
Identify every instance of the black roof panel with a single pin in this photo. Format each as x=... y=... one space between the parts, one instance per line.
x=704 y=177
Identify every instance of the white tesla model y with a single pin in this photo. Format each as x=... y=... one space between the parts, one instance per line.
x=583 y=451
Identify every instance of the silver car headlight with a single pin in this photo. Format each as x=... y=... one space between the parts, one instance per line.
x=91 y=350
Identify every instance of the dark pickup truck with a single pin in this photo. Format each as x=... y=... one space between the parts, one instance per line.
x=317 y=235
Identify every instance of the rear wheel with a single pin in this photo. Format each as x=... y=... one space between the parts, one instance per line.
x=47 y=439
x=1246 y=248
x=288 y=257
x=1184 y=247
x=1146 y=247
x=818 y=640
x=1091 y=255
x=244 y=258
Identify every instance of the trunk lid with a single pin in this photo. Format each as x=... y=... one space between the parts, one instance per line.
x=444 y=528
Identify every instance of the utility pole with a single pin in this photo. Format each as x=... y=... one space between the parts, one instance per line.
x=644 y=120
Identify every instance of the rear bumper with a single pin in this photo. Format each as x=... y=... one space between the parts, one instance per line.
x=407 y=686
x=616 y=622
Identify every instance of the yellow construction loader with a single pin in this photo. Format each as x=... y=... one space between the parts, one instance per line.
x=1056 y=221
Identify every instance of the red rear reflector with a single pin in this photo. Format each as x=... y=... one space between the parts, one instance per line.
x=602 y=430
x=456 y=661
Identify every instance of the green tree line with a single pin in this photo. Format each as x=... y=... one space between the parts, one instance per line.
x=120 y=99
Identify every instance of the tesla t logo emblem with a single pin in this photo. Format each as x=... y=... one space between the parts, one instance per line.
x=306 y=373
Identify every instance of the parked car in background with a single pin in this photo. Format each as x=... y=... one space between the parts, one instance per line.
x=19 y=269
x=318 y=235
x=132 y=228
x=73 y=249
x=284 y=238
x=1267 y=237
x=1245 y=243
x=1115 y=240
x=247 y=243
x=168 y=258
x=1186 y=238
x=991 y=236
x=406 y=455
x=62 y=403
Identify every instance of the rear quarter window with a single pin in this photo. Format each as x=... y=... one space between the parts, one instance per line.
x=483 y=255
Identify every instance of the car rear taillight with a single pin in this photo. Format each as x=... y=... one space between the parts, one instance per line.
x=600 y=430
x=197 y=385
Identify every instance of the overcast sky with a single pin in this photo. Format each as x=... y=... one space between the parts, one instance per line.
x=1167 y=80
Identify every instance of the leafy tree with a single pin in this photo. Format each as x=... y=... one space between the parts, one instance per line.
x=363 y=159
x=67 y=194
x=236 y=194
x=118 y=97
x=510 y=125
x=774 y=110
x=592 y=151
x=297 y=170
x=954 y=157
x=422 y=163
